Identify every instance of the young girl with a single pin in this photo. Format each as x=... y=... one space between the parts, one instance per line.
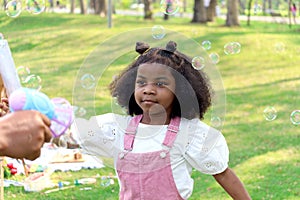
x=156 y=147
x=294 y=12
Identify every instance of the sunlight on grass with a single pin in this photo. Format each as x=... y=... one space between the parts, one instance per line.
x=272 y=168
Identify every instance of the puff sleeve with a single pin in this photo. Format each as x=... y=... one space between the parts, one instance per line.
x=100 y=135
x=207 y=150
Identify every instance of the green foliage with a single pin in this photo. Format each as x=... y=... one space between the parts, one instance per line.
x=264 y=154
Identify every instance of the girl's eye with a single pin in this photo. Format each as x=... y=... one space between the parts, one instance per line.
x=160 y=84
x=140 y=82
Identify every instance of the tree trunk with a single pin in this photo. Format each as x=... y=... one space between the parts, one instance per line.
x=4 y=4
x=102 y=8
x=96 y=7
x=270 y=5
x=264 y=7
x=147 y=9
x=82 y=7
x=249 y=12
x=92 y=7
x=232 y=13
x=72 y=8
x=242 y=7
x=199 y=15
x=211 y=10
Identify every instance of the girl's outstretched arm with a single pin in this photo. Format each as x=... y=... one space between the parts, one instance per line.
x=232 y=185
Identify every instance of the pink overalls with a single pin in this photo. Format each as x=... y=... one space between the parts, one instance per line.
x=147 y=176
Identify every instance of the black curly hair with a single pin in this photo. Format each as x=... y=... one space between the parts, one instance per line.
x=193 y=91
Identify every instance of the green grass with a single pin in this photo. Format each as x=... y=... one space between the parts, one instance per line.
x=264 y=154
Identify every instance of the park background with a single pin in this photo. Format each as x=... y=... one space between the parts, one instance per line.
x=264 y=154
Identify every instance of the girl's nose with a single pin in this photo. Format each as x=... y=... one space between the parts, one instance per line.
x=149 y=89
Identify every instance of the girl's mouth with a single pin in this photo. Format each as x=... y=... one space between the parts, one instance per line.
x=149 y=101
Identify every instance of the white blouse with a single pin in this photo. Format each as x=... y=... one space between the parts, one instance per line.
x=197 y=145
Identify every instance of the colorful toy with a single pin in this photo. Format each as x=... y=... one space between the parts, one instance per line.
x=58 y=110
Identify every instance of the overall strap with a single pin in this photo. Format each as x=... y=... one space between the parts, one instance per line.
x=131 y=131
x=173 y=128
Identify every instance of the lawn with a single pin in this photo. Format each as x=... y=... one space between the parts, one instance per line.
x=265 y=154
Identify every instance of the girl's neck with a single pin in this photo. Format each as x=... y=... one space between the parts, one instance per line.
x=155 y=119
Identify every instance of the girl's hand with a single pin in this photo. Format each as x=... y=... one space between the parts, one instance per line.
x=4 y=107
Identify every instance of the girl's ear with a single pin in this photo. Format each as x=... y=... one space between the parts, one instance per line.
x=141 y=47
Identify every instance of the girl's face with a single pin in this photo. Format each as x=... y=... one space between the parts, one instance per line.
x=154 y=89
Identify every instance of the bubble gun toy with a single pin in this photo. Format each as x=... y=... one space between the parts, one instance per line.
x=58 y=110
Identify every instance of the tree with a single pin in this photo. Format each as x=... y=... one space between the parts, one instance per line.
x=99 y=7
x=211 y=10
x=249 y=12
x=199 y=15
x=82 y=7
x=232 y=13
x=147 y=9
x=72 y=8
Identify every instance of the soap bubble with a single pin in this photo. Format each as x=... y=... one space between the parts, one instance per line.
x=198 y=62
x=79 y=111
x=216 y=121
x=232 y=48
x=105 y=181
x=295 y=117
x=62 y=142
x=88 y=81
x=158 y=32
x=33 y=81
x=270 y=113
x=13 y=8
x=35 y=6
x=169 y=7
x=23 y=73
x=206 y=44
x=279 y=47
x=215 y=58
x=116 y=108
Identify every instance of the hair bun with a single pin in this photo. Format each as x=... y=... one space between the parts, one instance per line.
x=171 y=46
x=141 y=47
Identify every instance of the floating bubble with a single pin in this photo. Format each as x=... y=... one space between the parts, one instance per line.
x=169 y=7
x=206 y=44
x=105 y=181
x=35 y=6
x=158 y=32
x=232 y=48
x=23 y=73
x=270 y=113
x=215 y=58
x=279 y=47
x=116 y=108
x=198 y=62
x=79 y=111
x=13 y=8
x=62 y=142
x=295 y=117
x=88 y=81
x=33 y=81
x=216 y=121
